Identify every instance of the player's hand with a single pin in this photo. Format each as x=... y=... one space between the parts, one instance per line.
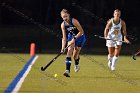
x=126 y=40
x=62 y=50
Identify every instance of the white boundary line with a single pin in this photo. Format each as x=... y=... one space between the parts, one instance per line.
x=19 y=84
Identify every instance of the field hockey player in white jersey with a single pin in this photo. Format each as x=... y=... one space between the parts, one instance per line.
x=113 y=31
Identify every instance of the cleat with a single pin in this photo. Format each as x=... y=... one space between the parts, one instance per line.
x=112 y=68
x=67 y=73
x=76 y=68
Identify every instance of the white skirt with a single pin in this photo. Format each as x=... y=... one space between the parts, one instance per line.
x=111 y=43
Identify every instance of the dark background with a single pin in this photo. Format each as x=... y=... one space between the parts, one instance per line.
x=25 y=21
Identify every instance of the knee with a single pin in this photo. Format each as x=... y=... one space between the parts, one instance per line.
x=70 y=49
x=76 y=55
x=117 y=55
x=110 y=55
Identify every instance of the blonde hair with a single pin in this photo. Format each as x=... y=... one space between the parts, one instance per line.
x=64 y=11
x=117 y=10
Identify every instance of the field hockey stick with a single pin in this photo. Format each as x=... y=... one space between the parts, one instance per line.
x=109 y=39
x=134 y=55
x=44 y=68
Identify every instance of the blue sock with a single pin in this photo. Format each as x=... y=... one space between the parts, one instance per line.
x=68 y=63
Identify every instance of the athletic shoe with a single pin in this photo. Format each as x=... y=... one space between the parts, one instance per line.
x=112 y=68
x=76 y=68
x=67 y=73
x=109 y=64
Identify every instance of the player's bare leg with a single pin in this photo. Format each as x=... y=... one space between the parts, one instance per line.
x=76 y=58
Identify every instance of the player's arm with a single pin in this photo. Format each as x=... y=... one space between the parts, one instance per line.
x=108 y=26
x=63 y=36
x=124 y=31
x=79 y=27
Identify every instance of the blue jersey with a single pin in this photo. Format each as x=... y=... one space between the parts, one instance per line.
x=71 y=28
x=72 y=31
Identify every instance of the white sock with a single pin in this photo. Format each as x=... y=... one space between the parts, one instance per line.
x=114 y=60
x=110 y=59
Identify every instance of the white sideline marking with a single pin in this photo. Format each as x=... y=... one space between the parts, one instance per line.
x=19 y=84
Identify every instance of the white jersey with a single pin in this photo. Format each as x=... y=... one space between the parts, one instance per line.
x=114 y=34
x=115 y=31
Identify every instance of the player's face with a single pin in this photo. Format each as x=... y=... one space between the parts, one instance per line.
x=65 y=16
x=117 y=14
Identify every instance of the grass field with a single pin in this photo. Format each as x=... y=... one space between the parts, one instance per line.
x=93 y=77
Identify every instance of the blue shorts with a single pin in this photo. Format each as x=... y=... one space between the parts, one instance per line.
x=79 y=42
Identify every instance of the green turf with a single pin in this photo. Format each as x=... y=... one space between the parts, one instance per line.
x=10 y=65
x=93 y=77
